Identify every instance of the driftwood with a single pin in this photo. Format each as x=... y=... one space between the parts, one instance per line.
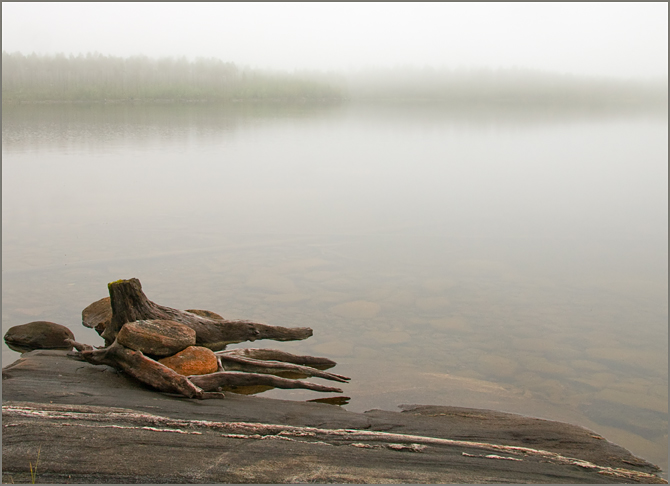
x=276 y=355
x=129 y=304
x=222 y=379
x=230 y=362
x=252 y=369
x=143 y=368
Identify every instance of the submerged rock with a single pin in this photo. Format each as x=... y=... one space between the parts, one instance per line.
x=194 y=360
x=156 y=337
x=38 y=335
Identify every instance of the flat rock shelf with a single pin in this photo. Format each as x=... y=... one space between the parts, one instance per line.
x=92 y=424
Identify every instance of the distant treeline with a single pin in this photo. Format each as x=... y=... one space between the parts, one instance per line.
x=503 y=86
x=95 y=77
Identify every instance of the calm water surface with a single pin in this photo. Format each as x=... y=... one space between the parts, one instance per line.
x=482 y=258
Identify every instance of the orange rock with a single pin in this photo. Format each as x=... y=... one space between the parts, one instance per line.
x=194 y=360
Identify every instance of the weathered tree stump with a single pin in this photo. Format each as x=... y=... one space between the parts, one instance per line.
x=129 y=304
x=136 y=329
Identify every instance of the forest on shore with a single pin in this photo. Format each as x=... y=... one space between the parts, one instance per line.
x=96 y=77
x=99 y=78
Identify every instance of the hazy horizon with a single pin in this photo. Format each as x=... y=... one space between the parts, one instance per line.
x=97 y=77
x=619 y=40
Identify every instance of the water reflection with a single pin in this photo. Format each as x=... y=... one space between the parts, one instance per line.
x=83 y=126
x=507 y=260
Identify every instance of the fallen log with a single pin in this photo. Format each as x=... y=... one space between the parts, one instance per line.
x=222 y=379
x=276 y=355
x=129 y=303
x=231 y=362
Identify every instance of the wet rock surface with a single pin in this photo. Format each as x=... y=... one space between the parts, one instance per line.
x=95 y=425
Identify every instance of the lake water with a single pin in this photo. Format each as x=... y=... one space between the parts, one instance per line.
x=490 y=258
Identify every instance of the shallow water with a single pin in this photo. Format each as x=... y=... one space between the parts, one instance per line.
x=514 y=260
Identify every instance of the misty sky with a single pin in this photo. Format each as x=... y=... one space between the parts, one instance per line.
x=614 y=39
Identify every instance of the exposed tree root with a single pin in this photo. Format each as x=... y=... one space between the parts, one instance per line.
x=222 y=379
x=254 y=368
x=231 y=362
x=142 y=368
x=129 y=303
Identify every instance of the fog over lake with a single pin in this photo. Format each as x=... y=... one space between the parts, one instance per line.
x=475 y=219
x=507 y=260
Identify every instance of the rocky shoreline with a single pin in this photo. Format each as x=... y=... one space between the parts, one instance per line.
x=92 y=424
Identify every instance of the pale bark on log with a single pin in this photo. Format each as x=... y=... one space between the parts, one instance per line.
x=237 y=363
x=142 y=368
x=277 y=355
x=130 y=304
x=222 y=379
